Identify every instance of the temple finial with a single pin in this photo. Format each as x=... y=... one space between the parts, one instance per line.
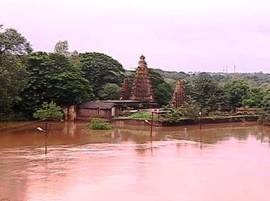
x=142 y=57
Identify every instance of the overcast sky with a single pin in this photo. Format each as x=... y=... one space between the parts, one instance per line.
x=181 y=35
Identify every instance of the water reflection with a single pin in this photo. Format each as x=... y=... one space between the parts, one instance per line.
x=125 y=164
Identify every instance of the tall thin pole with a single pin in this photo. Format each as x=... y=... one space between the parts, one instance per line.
x=200 y=119
x=46 y=136
x=152 y=121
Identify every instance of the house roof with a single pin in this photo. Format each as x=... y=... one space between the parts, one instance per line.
x=96 y=105
x=108 y=104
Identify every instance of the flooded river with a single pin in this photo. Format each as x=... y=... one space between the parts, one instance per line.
x=228 y=162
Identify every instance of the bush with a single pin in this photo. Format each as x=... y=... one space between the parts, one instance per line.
x=99 y=124
x=49 y=112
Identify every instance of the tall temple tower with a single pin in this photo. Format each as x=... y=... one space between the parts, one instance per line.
x=125 y=92
x=142 y=88
x=178 y=97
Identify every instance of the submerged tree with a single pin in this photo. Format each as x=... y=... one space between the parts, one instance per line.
x=49 y=112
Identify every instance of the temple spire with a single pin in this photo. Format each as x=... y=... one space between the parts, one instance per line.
x=125 y=92
x=142 y=88
x=178 y=97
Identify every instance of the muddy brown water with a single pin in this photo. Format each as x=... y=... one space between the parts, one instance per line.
x=224 y=162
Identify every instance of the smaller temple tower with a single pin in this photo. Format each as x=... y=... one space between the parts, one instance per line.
x=125 y=91
x=142 y=88
x=178 y=97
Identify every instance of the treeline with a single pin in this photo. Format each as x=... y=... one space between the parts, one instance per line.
x=29 y=79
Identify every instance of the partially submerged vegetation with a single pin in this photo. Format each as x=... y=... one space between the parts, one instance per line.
x=99 y=124
x=49 y=112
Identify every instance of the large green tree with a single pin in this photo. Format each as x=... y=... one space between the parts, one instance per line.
x=13 y=50
x=110 y=91
x=254 y=98
x=100 y=69
x=162 y=90
x=12 y=42
x=203 y=91
x=52 y=77
x=237 y=90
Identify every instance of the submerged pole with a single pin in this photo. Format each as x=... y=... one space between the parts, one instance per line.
x=152 y=121
x=46 y=137
x=200 y=119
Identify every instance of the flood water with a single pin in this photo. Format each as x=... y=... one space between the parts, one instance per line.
x=228 y=162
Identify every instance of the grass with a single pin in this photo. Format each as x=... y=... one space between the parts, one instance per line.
x=141 y=115
x=99 y=124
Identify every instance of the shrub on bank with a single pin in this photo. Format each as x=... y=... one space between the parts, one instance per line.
x=99 y=124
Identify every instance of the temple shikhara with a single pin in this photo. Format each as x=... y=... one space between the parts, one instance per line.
x=142 y=88
x=178 y=97
x=125 y=91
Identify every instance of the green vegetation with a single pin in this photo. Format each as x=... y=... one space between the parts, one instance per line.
x=141 y=116
x=49 y=112
x=109 y=91
x=52 y=77
x=99 y=124
x=100 y=69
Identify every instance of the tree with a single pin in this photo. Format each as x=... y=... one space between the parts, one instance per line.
x=254 y=98
x=203 y=91
x=163 y=94
x=110 y=91
x=49 y=112
x=237 y=91
x=13 y=48
x=162 y=90
x=53 y=78
x=13 y=78
x=12 y=42
x=100 y=69
x=61 y=47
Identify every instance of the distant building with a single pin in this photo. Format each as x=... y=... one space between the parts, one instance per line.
x=142 y=87
x=178 y=98
x=125 y=91
x=109 y=109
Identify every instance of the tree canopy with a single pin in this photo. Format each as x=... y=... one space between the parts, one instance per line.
x=13 y=49
x=100 y=69
x=53 y=78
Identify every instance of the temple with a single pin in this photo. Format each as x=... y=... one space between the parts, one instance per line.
x=142 y=88
x=178 y=97
x=139 y=97
x=125 y=91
